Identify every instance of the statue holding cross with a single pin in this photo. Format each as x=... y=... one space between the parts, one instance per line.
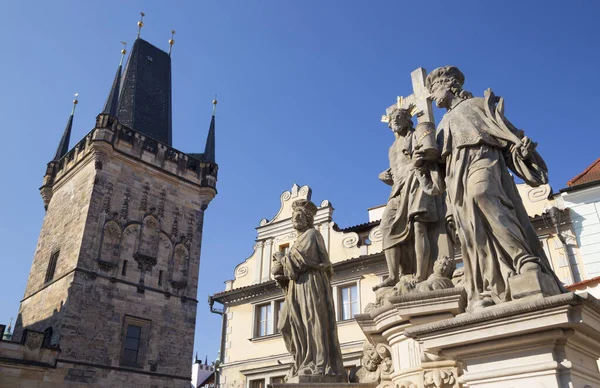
x=414 y=216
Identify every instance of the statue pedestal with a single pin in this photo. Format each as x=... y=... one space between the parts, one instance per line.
x=549 y=342
x=386 y=325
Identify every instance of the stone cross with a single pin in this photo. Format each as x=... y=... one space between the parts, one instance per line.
x=419 y=98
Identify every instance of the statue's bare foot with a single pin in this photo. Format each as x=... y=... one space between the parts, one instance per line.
x=389 y=282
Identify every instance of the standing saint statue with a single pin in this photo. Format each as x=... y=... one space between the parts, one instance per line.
x=478 y=147
x=411 y=214
x=307 y=322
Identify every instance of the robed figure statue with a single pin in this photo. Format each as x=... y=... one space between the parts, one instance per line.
x=478 y=146
x=307 y=322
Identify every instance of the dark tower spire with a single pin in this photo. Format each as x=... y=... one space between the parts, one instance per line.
x=111 y=106
x=145 y=97
x=63 y=146
x=209 y=150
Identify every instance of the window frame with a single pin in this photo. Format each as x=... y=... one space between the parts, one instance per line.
x=51 y=269
x=337 y=288
x=275 y=306
x=143 y=341
x=268 y=321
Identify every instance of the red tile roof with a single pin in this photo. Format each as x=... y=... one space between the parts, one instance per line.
x=590 y=174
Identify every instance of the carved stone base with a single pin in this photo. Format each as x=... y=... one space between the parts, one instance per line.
x=386 y=325
x=551 y=342
x=532 y=285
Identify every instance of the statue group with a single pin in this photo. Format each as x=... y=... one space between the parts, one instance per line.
x=450 y=185
x=454 y=185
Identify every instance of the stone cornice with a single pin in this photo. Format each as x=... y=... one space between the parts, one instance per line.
x=255 y=290
x=503 y=311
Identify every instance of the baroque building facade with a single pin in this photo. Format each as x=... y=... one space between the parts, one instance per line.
x=111 y=296
x=254 y=355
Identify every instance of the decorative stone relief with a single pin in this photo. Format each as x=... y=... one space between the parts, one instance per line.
x=180 y=261
x=438 y=378
x=125 y=206
x=351 y=240
x=376 y=365
x=539 y=193
x=144 y=200
x=175 y=226
x=109 y=250
x=161 y=204
x=241 y=271
x=107 y=198
x=190 y=230
x=148 y=245
x=375 y=234
x=440 y=279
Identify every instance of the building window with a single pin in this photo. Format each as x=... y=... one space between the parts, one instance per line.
x=285 y=248
x=278 y=309
x=160 y=275
x=278 y=380
x=132 y=344
x=124 y=269
x=135 y=337
x=257 y=383
x=264 y=320
x=51 y=266
x=348 y=302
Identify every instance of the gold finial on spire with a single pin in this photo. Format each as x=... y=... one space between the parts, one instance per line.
x=123 y=52
x=140 y=23
x=171 y=41
x=75 y=102
x=215 y=105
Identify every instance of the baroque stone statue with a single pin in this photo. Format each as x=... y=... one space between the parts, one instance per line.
x=411 y=213
x=478 y=148
x=307 y=322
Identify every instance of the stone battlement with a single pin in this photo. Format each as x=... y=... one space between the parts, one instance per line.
x=109 y=136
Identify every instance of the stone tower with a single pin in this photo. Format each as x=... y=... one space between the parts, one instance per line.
x=115 y=273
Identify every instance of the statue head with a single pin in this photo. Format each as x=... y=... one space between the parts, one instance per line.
x=371 y=359
x=444 y=267
x=445 y=85
x=303 y=214
x=400 y=121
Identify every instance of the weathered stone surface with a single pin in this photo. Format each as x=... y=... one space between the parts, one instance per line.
x=551 y=342
x=478 y=147
x=123 y=223
x=533 y=284
x=307 y=322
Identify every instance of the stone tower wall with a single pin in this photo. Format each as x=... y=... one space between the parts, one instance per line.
x=127 y=215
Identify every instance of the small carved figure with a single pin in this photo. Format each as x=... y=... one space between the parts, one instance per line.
x=376 y=365
x=307 y=322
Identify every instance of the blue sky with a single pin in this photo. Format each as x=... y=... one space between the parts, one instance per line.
x=301 y=85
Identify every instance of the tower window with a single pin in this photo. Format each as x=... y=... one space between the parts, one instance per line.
x=134 y=341
x=132 y=344
x=51 y=266
x=124 y=269
x=160 y=275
